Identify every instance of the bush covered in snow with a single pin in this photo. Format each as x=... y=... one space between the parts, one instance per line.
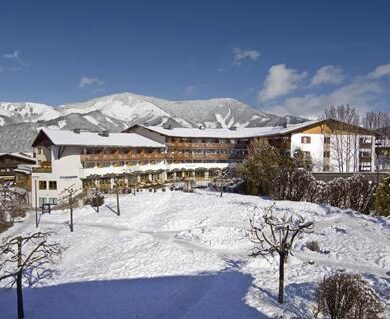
x=382 y=197
x=347 y=296
x=292 y=183
x=355 y=192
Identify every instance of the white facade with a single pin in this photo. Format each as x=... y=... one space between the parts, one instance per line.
x=342 y=154
x=315 y=148
x=64 y=171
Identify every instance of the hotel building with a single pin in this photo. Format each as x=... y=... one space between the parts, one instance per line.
x=147 y=156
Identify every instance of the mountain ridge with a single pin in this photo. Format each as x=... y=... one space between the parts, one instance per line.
x=19 y=121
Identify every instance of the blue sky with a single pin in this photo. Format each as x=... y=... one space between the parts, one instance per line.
x=281 y=56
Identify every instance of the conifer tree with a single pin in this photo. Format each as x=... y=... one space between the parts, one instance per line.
x=382 y=197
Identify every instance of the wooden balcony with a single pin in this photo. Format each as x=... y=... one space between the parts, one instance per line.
x=45 y=167
x=365 y=145
x=366 y=159
x=206 y=145
x=204 y=157
x=41 y=169
x=122 y=157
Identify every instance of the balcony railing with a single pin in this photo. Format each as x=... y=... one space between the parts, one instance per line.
x=41 y=170
x=206 y=145
x=45 y=167
x=122 y=157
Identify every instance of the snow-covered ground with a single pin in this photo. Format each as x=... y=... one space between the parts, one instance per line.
x=185 y=255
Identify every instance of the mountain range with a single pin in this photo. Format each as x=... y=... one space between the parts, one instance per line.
x=19 y=122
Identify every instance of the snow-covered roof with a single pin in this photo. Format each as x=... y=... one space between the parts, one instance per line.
x=71 y=138
x=240 y=132
x=19 y=155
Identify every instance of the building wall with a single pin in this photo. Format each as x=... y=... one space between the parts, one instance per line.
x=315 y=148
x=65 y=171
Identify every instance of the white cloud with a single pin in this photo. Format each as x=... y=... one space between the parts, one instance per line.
x=360 y=94
x=240 y=55
x=86 y=81
x=328 y=74
x=380 y=72
x=13 y=55
x=280 y=81
x=190 y=90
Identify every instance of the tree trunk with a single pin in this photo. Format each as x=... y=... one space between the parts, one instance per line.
x=281 y=277
x=71 y=219
x=221 y=190
x=19 y=291
x=117 y=203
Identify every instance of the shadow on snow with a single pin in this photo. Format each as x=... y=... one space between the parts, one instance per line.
x=219 y=295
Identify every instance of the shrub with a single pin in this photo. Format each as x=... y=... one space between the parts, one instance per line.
x=313 y=245
x=97 y=200
x=291 y=183
x=258 y=169
x=360 y=193
x=382 y=197
x=334 y=193
x=344 y=296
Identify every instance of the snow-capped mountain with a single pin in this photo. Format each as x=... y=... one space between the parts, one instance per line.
x=19 y=122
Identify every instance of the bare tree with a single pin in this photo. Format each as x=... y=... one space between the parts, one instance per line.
x=70 y=200
x=22 y=255
x=276 y=235
x=380 y=123
x=345 y=147
x=222 y=179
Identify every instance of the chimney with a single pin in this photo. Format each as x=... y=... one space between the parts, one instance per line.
x=76 y=130
x=167 y=126
x=104 y=133
x=232 y=128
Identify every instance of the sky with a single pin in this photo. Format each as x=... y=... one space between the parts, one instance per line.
x=286 y=57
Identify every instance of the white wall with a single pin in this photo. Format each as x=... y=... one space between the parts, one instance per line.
x=65 y=170
x=316 y=148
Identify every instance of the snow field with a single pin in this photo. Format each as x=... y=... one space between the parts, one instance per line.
x=185 y=255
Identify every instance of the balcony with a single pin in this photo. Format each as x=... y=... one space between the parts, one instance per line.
x=41 y=169
x=45 y=167
x=122 y=157
x=365 y=159
x=365 y=145
x=205 y=145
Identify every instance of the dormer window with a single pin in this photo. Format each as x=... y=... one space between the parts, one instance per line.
x=305 y=140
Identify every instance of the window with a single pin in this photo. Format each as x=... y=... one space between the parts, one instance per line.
x=305 y=140
x=42 y=185
x=42 y=200
x=53 y=185
x=53 y=201
x=327 y=140
x=88 y=164
x=326 y=154
x=326 y=168
x=39 y=150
